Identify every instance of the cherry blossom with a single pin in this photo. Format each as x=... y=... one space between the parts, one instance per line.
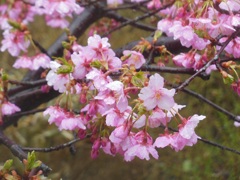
x=14 y=42
x=134 y=58
x=9 y=108
x=142 y=148
x=155 y=95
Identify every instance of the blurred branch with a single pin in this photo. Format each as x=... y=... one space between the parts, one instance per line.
x=148 y=14
x=217 y=107
x=18 y=152
x=172 y=70
x=55 y=148
x=120 y=18
x=209 y=142
x=215 y=59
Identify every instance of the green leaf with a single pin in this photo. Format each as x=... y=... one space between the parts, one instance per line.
x=157 y=35
x=97 y=64
x=31 y=160
x=64 y=69
x=138 y=79
x=229 y=79
x=37 y=164
x=8 y=164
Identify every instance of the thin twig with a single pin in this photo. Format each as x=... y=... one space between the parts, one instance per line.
x=203 y=69
x=138 y=18
x=55 y=148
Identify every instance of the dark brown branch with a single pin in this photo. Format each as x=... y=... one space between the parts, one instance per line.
x=172 y=70
x=216 y=58
x=18 y=152
x=55 y=148
x=210 y=142
x=119 y=18
x=139 y=18
x=220 y=109
x=173 y=46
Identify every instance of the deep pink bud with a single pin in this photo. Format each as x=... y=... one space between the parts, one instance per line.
x=82 y=133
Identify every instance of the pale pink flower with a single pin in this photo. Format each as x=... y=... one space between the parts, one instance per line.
x=98 y=44
x=14 y=42
x=56 y=114
x=56 y=21
x=100 y=80
x=186 y=130
x=135 y=58
x=179 y=142
x=96 y=106
x=154 y=95
x=163 y=140
x=71 y=122
x=233 y=47
x=157 y=118
x=116 y=118
x=236 y=87
x=23 y=62
x=120 y=133
x=82 y=61
x=58 y=81
x=40 y=60
x=9 y=108
x=164 y=25
x=187 y=36
x=154 y=4
x=230 y=5
x=142 y=148
x=63 y=119
x=119 y=95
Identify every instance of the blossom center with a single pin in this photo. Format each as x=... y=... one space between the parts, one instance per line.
x=158 y=95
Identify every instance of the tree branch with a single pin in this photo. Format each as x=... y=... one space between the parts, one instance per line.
x=18 y=152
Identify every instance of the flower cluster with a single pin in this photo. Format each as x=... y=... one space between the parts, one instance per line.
x=16 y=15
x=200 y=30
x=117 y=123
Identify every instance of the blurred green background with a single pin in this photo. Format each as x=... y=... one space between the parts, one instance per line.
x=201 y=161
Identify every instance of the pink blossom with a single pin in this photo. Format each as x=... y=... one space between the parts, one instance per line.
x=58 y=81
x=71 y=122
x=14 y=42
x=32 y=63
x=100 y=80
x=9 y=108
x=120 y=97
x=82 y=63
x=233 y=47
x=236 y=124
x=230 y=5
x=116 y=118
x=98 y=44
x=23 y=62
x=236 y=87
x=96 y=106
x=142 y=148
x=155 y=95
x=179 y=142
x=157 y=118
x=154 y=4
x=135 y=58
x=56 y=20
x=187 y=36
x=40 y=60
x=186 y=130
x=163 y=140
x=63 y=119
x=120 y=133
